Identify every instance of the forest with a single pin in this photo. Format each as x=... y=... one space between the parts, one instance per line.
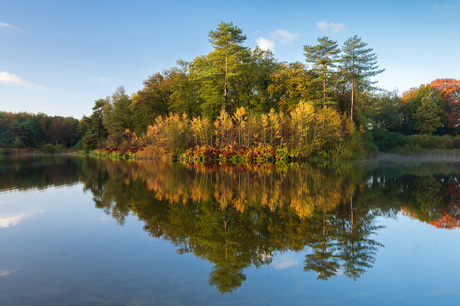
x=238 y=101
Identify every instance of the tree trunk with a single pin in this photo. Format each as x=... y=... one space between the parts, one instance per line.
x=225 y=83
x=352 y=98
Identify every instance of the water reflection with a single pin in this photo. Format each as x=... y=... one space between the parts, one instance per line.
x=30 y=172
x=8 y=220
x=241 y=216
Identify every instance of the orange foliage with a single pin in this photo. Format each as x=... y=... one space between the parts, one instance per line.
x=450 y=90
x=446 y=221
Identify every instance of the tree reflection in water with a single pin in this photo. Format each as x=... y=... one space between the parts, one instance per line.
x=240 y=216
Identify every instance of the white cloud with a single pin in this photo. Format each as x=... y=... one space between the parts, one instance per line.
x=282 y=36
x=4 y=27
x=285 y=37
x=265 y=44
x=331 y=27
x=8 y=78
x=285 y=262
x=12 y=220
x=6 y=272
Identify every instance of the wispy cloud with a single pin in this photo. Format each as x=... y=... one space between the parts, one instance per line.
x=285 y=262
x=9 y=78
x=283 y=36
x=6 y=272
x=446 y=6
x=265 y=44
x=331 y=27
x=12 y=220
x=101 y=80
x=4 y=27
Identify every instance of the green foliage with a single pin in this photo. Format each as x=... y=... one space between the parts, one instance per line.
x=26 y=132
x=219 y=70
x=398 y=143
x=290 y=84
x=79 y=145
x=184 y=97
x=18 y=143
x=90 y=142
x=324 y=57
x=254 y=82
x=48 y=148
x=430 y=112
x=428 y=116
x=152 y=101
x=386 y=141
x=357 y=66
x=384 y=111
x=433 y=142
x=116 y=115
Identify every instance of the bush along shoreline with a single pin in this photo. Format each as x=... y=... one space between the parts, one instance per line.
x=305 y=133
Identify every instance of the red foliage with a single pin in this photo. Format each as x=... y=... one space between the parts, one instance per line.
x=446 y=221
x=450 y=90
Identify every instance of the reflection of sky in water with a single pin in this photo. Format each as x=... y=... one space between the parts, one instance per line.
x=285 y=261
x=12 y=220
x=6 y=272
x=54 y=244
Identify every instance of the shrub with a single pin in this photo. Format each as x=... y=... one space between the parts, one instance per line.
x=433 y=142
x=456 y=142
x=385 y=141
x=446 y=142
x=424 y=141
x=48 y=148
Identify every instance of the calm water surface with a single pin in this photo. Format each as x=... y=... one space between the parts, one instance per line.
x=76 y=231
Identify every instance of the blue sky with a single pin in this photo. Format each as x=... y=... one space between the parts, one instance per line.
x=58 y=57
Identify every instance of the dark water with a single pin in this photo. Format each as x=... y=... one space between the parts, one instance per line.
x=80 y=231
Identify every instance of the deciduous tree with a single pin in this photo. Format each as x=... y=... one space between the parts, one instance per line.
x=450 y=89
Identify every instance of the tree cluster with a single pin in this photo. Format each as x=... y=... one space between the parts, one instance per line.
x=237 y=86
x=25 y=130
x=425 y=117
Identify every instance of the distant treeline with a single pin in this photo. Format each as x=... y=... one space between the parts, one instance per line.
x=237 y=96
x=25 y=130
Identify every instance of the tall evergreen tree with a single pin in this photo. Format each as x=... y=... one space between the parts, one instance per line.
x=227 y=58
x=358 y=65
x=324 y=57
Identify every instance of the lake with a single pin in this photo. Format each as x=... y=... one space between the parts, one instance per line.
x=87 y=231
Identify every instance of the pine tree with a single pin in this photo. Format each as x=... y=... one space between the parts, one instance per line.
x=227 y=58
x=357 y=66
x=324 y=57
